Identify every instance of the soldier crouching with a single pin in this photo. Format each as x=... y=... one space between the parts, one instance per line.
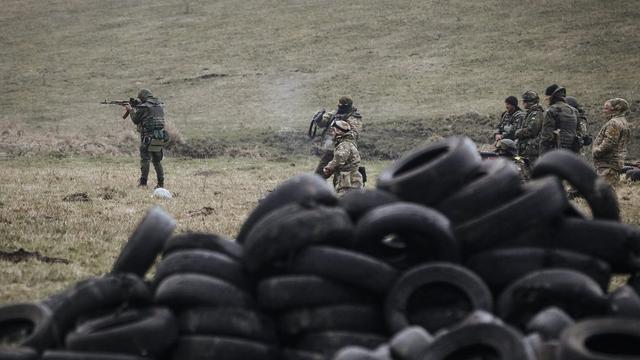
x=346 y=159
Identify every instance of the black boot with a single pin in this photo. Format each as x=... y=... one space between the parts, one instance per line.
x=160 y=183
x=142 y=182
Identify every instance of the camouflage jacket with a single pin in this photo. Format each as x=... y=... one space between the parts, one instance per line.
x=610 y=146
x=353 y=118
x=345 y=156
x=509 y=123
x=529 y=134
x=148 y=116
x=558 y=128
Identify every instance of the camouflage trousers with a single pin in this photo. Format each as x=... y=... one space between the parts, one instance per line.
x=155 y=157
x=612 y=176
x=344 y=181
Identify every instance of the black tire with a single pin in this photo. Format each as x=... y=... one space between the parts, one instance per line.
x=624 y=302
x=81 y=355
x=431 y=173
x=435 y=296
x=27 y=325
x=227 y=321
x=221 y=348
x=424 y=234
x=491 y=265
x=292 y=227
x=329 y=342
x=549 y=323
x=359 y=318
x=295 y=291
x=293 y=354
x=344 y=265
x=359 y=202
x=200 y=241
x=571 y=291
x=20 y=353
x=575 y=170
x=354 y=353
x=633 y=175
x=145 y=244
x=182 y=290
x=92 y=295
x=601 y=339
x=480 y=341
x=495 y=183
x=542 y=201
x=302 y=189
x=410 y=343
x=127 y=332
x=202 y=262
x=627 y=168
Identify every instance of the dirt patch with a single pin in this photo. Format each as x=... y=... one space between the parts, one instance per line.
x=81 y=196
x=24 y=255
x=206 y=173
x=109 y=193
x=204 y=211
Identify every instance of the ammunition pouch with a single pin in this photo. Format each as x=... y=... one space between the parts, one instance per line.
x=363 y=171
x=158 y=139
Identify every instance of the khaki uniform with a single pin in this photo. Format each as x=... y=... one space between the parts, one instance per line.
x=149 y=118
x=610 y=148
x=558 y=128
x=326 y=145
x=529 y=135
x=509 y=124
x=345 y=164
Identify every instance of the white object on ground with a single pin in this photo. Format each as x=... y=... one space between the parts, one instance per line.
x=162 y=193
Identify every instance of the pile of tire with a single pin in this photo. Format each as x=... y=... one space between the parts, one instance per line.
x=450 y=257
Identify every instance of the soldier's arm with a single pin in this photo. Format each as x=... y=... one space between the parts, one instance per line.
x=533 y=127
x=609 y=142
x=546 y=131
x=135 y=115
x=340 y=157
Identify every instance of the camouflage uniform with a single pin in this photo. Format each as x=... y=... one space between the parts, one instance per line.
x=529 y=135
x=148 y=117
x=610 y=146
x=506 y=148
x=345 y=163
x=582 y=135
x=509 y=123
x=558 y=127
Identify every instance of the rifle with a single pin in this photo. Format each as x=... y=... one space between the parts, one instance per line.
x=133 y=102
x=313 y=125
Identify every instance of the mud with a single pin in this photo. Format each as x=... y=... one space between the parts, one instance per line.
x=81 y=196
x=24 y=255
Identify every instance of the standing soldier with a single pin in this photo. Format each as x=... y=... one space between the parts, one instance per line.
x=560 y=122
x=610 y=146
x=345 y=112
x=346 y=159
x=529 y=135
x=148 y=116
x=582 y=135
x=510 y=120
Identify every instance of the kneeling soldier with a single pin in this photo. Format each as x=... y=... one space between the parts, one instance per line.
x=346 y=159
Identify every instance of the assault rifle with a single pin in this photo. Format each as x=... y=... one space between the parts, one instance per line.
x=316 y=122
x=133 y=102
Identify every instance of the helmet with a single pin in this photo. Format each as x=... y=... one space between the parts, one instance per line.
x=507 y=146
x=345 y=100
x=531 y=97
x=341 y=125
x=144 y=94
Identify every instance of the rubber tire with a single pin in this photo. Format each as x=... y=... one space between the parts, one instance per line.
x=633 y=175
x=351 y=352
x=145 y=244
x=295 y=291
x=624 y=302
x=348 y=266
x=411 y=283
x=202 y=262
x=20 y=353
x=301 y=189
x=574 y=169
x=39 y=319
x=504 y=341
x=410 y=343
x=542 y=201
x=293 y=354
x=330 y=342
x=127 y=332
x=81 y=355
x=197 y=347
x=358 y=318
x=431 y=173
x=426 y=232
x=292 y=227
x=183 y=290
x=586 y=340
x=227 y=321
x=495 y=183
x=201 y=241
x=571 y=291
x=491 y=265
x=359 y=202
x=549 y=323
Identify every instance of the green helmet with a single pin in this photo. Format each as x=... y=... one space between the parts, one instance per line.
x=507 y=146
x=345 y=100
x=531 y=97
x=144 y=94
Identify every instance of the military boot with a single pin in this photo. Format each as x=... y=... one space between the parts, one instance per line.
x=160 y=183
x=142 y=182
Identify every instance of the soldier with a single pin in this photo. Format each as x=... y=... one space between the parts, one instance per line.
x=610 y=146
x=148 y=116
x=510 y=120
x=507 y=148
x=529 y=134
x=346 y=112
x=346 y=159
x=582 y=135
x=559 y=123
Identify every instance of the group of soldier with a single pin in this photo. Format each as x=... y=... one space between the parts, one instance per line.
x=526 y=135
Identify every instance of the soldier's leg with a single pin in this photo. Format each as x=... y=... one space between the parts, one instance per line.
x=144 y=164
x=156 y=157
x=324 y=160
x=610 y=175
